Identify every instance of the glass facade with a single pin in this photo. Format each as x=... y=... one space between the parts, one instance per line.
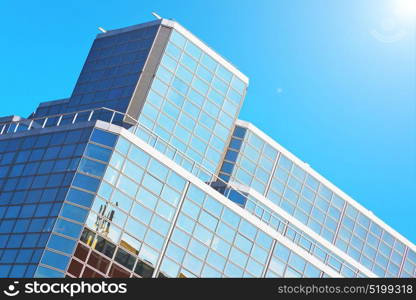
x=301 y=238
x=254 y=162
x=286 y=263
x=193 y=102
x=186 y=190
x=147 y=220
x=249 y=160
x=76 y=205
x=36 y=171
x=112 y=69
x=110 y=73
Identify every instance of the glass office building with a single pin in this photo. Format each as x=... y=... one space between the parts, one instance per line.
x=145 y=171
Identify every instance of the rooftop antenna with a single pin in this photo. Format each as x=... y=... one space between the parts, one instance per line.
x=156 y=16
x=102 y=30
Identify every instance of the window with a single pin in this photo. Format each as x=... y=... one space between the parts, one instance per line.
x=92 y=167
x=55 y=260
x=178 y=39
x=127 y=185
x=74 y=213
x=67 y=228
x=86 y=182
x=99 y=262
x=152 y=184
x=143 y=269
x=103 y=137
x=61 y=244
x=98 y=152
x=125 y=259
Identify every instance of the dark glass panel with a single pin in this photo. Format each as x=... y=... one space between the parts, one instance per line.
x=105 y=247
x=143 y=269
x=81 y=252
x=125 y=259
x=103 y=137
x=75 y=268
x=99 y=262
x=89 y=273
x=117 y=272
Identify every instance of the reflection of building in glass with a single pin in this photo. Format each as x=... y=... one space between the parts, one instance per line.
x=104 y=218
x=119 y=179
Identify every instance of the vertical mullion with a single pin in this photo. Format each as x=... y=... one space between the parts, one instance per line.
x=172 y=227
x=269 y=258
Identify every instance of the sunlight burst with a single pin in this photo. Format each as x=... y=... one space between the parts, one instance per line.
x=406 y=8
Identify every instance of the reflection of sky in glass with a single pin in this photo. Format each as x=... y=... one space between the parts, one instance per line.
x=193 y=102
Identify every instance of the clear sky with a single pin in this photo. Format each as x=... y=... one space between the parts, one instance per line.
x=333 y=81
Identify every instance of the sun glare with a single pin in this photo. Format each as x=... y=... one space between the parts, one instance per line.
x=406 y=8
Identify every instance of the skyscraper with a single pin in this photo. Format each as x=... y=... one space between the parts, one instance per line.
x=145 y=171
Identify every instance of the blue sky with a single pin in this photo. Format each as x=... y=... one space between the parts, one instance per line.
x=333 y=81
